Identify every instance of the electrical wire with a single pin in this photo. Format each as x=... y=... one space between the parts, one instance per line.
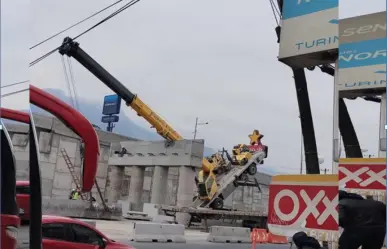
x=76 y=24
x=126 y=6
x=14 y=84
x=131 y=3
x=16 y=92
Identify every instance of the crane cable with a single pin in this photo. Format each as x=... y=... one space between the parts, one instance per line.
x=68 y=84
x=126 y=6
x=75 y=24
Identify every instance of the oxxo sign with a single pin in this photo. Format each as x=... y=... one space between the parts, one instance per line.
x=363 y=174
x=296 y=204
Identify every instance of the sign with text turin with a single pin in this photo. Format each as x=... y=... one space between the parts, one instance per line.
x=308 y=27
x=111 y=105
x=362 y=53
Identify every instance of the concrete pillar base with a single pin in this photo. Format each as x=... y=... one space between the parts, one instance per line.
x=136 y=188
x=159 y=185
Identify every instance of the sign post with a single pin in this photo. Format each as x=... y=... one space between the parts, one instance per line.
x=111 y=106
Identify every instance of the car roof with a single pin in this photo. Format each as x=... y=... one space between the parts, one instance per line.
x=61 y=219
x=22 y=183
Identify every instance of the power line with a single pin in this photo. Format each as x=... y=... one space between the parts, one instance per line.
x=14 y=84
x=75 y=24
x=16 y=92
x=126 y=6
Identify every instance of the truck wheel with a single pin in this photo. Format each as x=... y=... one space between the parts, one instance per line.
x=244 y=177
x=252 y=169
x=217 y=204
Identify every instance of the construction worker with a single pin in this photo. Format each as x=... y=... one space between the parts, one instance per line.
x=75 y=194
x=72 y=194
x=363 y=222
x=303 y=241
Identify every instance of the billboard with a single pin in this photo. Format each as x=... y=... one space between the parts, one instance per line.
x=309 y=28
x=362 y=53
x=111 y=105
x=365 y=176
x=304 y=203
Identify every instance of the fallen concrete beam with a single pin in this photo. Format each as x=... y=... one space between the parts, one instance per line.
x=157 y=232
x=219 y=234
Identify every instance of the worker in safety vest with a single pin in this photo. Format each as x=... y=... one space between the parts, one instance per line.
x=303 y=241
x=75 y=194
x=363 y=221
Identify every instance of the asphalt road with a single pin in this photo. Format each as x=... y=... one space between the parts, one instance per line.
x=23 y=240
x=205 y=245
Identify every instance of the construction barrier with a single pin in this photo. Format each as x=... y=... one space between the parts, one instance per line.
x=259 y=236
x=219 y=234
x=157 y=232
x=277 y=239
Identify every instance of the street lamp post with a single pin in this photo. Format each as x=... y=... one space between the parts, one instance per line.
x=196 y=126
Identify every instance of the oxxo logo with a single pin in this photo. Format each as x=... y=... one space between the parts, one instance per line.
x=355 y=176
x=311 y=207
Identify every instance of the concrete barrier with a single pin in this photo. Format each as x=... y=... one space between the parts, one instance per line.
x=157 y=232
x=220 y=234
x=80 y=209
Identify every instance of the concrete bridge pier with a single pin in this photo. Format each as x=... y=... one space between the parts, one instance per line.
x=185 y=192
x=136 y=188
x=159 y=185
x=116 y=176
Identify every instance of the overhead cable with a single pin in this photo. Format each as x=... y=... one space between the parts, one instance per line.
x=126 y=6
x=75 y=24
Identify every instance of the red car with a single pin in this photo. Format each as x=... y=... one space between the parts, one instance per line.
x=23 y=199
x=67 y=233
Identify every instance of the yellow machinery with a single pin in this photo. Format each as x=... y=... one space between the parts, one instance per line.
x=241 y=154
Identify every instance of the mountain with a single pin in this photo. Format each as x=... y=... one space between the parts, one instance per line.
x=93 y=112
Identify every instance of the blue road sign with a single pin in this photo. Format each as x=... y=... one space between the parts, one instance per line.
x=111 y=105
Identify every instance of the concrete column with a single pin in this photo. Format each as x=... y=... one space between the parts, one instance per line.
x=116 y=176
x=382 y=129
x=159 y=185
x=185 y=192
x=136 y=188
x=336 y=143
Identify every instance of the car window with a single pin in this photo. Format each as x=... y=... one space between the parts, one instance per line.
x=56 y=231
x=25 y=190
x=86 y=235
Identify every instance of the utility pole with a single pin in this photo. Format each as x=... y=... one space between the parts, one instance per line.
x=196 y=126
x=301 y=150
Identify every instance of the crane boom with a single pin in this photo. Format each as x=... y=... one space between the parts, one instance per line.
x=71 y=48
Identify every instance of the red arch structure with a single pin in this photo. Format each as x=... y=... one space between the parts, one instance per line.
x=19 y=116
x=77 y=123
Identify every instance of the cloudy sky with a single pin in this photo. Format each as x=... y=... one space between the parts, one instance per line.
x=215 y=60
